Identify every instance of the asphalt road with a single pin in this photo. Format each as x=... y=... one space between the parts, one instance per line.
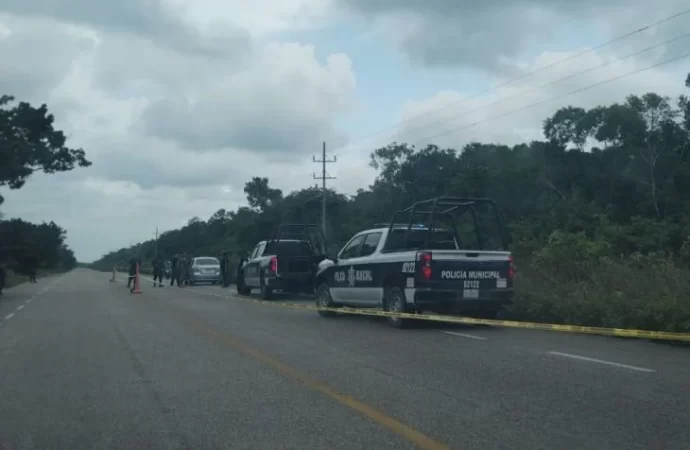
x=84 y=364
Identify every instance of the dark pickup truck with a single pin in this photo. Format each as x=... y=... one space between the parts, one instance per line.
x=287 y=262
x=428 y=259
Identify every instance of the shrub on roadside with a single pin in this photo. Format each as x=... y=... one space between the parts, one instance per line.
x=575 y=280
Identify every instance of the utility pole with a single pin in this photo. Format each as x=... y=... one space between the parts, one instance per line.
x=156 y=246
x=324 y=176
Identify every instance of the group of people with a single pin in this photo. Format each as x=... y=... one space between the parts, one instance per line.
x=179 y=266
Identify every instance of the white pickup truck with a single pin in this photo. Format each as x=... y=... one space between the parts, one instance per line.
x=421 y=267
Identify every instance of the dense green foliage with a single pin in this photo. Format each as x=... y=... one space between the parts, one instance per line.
x=599 y=211
x=28 y=144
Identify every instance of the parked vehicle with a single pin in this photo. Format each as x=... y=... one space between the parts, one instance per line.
x=204 y=269
x=288 y=261
x=426 y=260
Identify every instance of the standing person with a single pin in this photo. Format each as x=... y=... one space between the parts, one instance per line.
x=157 y=271
x=132 y=272
x=224 y=266
x=238 y=272
x=31 y=268
x=175 y=270
x=184 y=268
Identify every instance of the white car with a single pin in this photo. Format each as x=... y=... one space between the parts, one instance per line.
x=204 y=269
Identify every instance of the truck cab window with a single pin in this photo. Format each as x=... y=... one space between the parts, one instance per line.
x=371 y=241
x=352 y=249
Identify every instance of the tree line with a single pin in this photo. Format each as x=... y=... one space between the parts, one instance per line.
x=598 y=211
x=29 y=144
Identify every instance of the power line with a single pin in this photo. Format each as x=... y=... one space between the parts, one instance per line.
x=575 y=91
x=549 y=83
x=323 y=177
x=525 y=75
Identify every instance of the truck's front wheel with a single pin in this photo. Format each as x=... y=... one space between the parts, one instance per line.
x=324 y=300
x=396 y=302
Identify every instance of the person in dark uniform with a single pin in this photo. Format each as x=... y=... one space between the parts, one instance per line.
x=132 y=272
x=175 y=270
x=157 y=272
x=184 y=268
x=238 y=272
x=32 y=269
x=224 y=269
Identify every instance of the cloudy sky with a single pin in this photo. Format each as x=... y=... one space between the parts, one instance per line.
x=178 y=102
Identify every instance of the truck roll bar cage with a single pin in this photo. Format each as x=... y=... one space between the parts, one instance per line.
x=448 y=207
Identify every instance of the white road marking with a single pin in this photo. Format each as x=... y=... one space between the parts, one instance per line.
x=42 y=291
x=601 y=361
x=469 y=336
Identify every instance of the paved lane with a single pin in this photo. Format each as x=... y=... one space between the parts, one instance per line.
x=87 y=365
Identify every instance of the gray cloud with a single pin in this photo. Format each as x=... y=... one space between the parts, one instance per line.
x=32 y=53
x=490 y=35
x=142 y=102
x=215 y=123
x=152 y=19
x=284 y=102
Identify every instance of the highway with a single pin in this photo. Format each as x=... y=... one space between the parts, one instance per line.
x=84 y=364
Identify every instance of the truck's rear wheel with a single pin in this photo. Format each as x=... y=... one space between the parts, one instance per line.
x=266 y=291
x=243 y=289
x=396 y=302
x=324 y=300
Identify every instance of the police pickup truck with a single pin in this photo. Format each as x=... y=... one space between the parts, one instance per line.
x=288 y=261
x=431 y=262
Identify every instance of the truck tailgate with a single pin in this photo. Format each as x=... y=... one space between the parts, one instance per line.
x=295 y=265
x=474 y=273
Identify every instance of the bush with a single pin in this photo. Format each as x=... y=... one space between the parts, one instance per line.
x=14 y=278
x=575 y=280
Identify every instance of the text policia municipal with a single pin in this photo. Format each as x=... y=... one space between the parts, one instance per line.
x=470 y=275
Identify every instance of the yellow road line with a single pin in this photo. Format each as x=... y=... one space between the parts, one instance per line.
x=418 y=438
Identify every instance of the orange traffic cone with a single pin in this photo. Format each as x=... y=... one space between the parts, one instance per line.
x=137 y=286
x=112 y=280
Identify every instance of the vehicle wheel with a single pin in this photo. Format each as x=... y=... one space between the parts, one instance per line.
x=324 y=300
x=242 y=289
x=397 y=303
x=266 y=291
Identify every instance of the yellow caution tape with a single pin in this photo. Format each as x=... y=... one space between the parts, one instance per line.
x=622 y=332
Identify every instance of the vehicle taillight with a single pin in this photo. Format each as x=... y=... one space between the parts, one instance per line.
x=273 y=267
x=425 y=264
x=511 y=268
